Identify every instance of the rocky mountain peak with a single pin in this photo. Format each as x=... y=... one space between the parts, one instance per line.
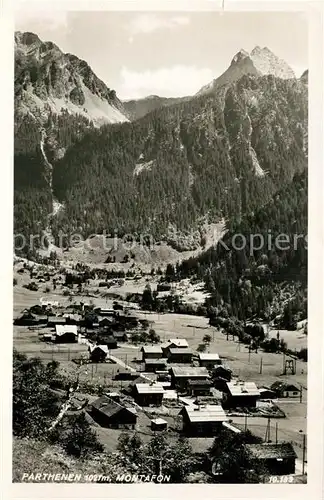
x=242 y=54
x=49 y=81
x=259 y=62
x=267 y=63
x=304 y=76
x=27 y=38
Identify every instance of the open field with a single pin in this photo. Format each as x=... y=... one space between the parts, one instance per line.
x=262 y=368
x=244 y=365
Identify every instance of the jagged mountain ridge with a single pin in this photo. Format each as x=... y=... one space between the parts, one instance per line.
x=48 y=81
x=259 y=62
x=202 y=159
x=210 y=156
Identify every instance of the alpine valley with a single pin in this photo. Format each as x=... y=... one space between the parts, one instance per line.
x=87 y=162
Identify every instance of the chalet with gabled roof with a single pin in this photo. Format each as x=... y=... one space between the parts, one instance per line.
x=109 y=413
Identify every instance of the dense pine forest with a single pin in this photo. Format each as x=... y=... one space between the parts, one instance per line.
x=266 y=280
x=212 y=157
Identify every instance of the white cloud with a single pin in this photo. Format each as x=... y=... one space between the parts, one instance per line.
x=174 y=81
x=147 y=23
x=25 y=20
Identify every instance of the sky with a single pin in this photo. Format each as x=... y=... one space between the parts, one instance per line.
x=169 y=54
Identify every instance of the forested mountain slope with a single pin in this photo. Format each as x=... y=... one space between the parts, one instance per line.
x=203 y=159
x=214 y=156
x=247 y=278
x=137 y=108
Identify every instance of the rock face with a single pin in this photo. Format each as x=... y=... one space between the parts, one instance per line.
x=259 y=62
x=49 y=81
x=304 y=77
x=208 y=158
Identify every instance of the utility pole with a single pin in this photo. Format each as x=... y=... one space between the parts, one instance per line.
x=267 y=433
x=261 y=365
x=304 y=452
x=276 y=432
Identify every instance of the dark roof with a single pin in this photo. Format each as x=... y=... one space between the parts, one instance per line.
x=283 y=386
x=108 y=406
x=271 y=450
x=108 y=339
x=219 y=368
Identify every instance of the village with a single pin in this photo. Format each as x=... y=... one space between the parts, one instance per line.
x=141 y=371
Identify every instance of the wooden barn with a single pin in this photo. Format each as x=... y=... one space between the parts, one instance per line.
x=179 y=355
x=149 y=394
x=180 y=376
x=285 y=389
x=174 y=344
x=202 y=420
x=209 y=360
x=199 y=387
x=155 y=365
x=98 y=353
x=278 y=459
x=240 y=395
x=65 y=334
x=151 y=352
x=109 y=413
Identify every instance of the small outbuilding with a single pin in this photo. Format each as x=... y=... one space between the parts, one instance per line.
x=278 y=459
x=159 y=424
x=285 y=389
